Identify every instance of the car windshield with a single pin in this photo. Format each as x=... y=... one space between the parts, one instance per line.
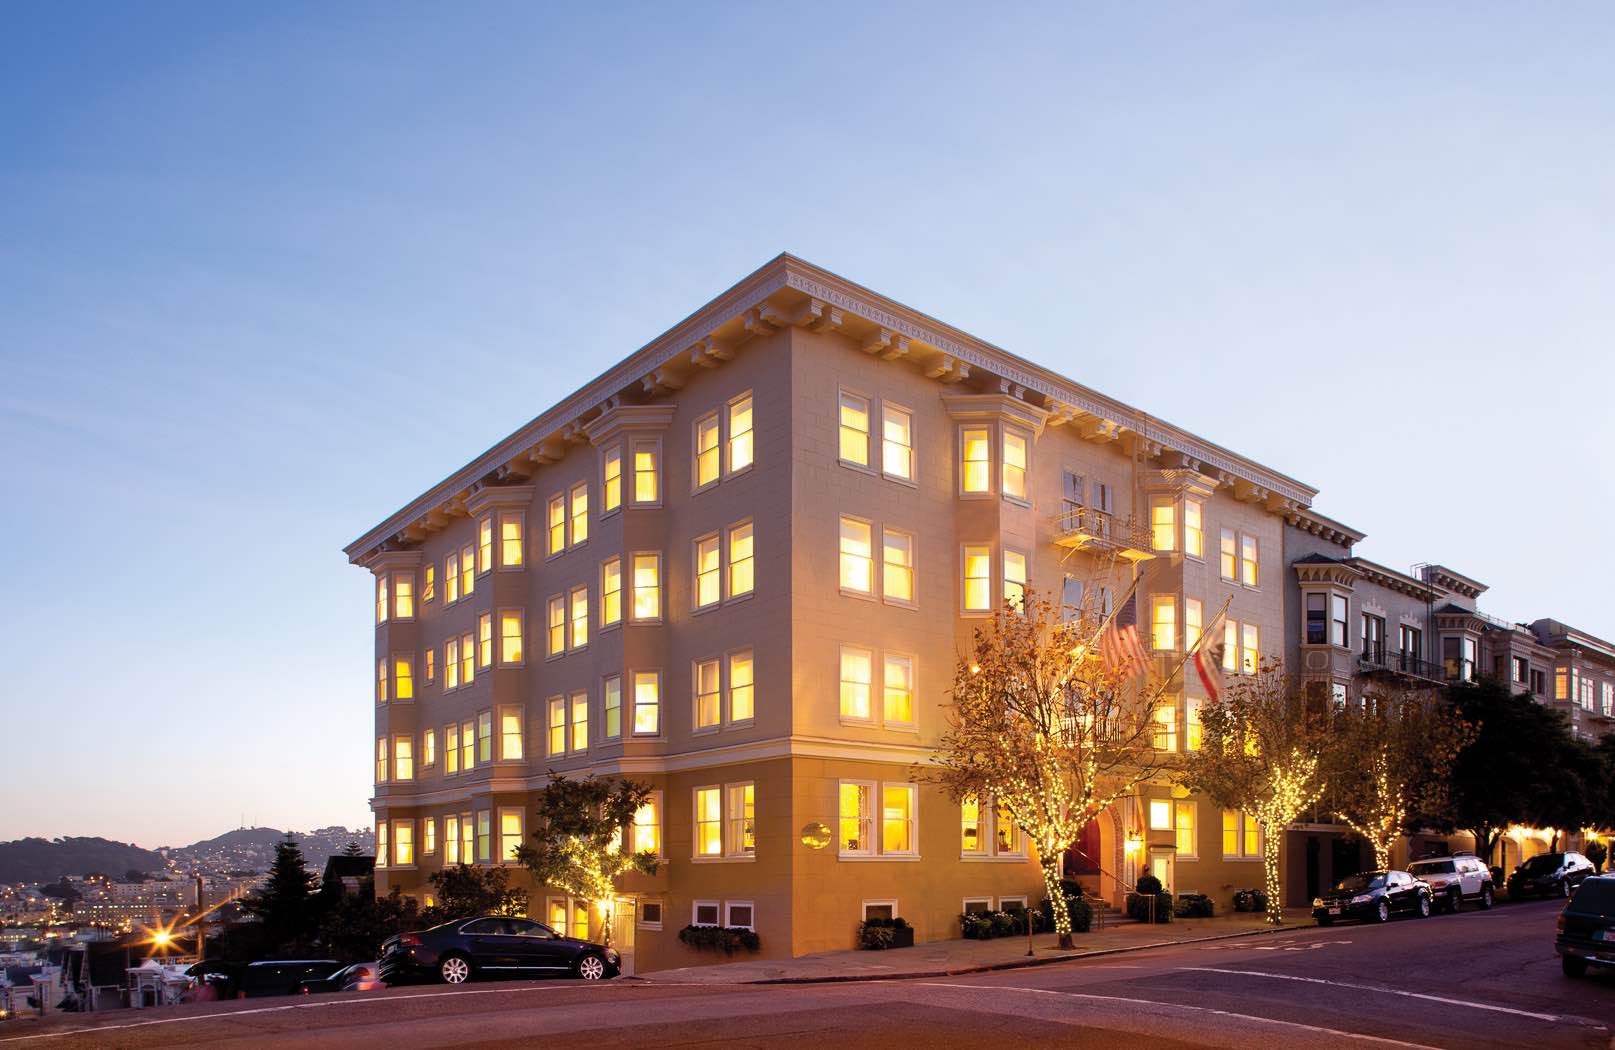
x=1358 y=883
x=1543 y=862
x=1596 y=897
x=1432 y=867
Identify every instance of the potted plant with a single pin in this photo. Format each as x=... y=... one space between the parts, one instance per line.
x=879 y=934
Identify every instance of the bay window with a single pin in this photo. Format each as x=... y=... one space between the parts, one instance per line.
x=510 y=833
x=1194 y=533
x=1014 y=464
x=975 y=457
x=511 y=545
x=403 y=678
x=1015 y=580
x=610 y=592
x=647 y=703
x=484 y=545
x=1163 y=524
x=611 y=705
x=611 y=479
x=510 y=636
x=647 y=472
x=647 y=587
x=404 y=596
x=403 y=843
x=1164 y=622
x=897 y=442
x=403 y=758
x=978 y=581
x=485 y=641
x=510 y=734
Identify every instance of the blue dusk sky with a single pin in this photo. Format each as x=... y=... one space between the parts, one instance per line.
x=269 y=270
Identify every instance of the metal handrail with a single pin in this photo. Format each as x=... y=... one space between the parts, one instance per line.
x=1405 y=663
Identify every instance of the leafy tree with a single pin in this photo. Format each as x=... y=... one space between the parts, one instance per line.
x=355 y=924
x=1264 y=750
x=285 y=903
x=461 y=891
x=352 y=849
x=1564 y=795
x=1392 y=758
x=577 y=846
x=1499 y=777
x=1040 y=728
x=62 y=891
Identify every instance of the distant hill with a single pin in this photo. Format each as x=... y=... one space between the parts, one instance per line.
x=45 y=860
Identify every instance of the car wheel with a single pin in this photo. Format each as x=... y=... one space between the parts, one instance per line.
x=1383 y=912
x=1572 y=966
x=1455 y=901
x=1485 y=897
x=590 y=967
x=1563 y=889
x=454 y=969
x=1424 y=906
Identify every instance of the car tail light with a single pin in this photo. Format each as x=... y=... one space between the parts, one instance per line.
x=1560 y=924
x=408 y=940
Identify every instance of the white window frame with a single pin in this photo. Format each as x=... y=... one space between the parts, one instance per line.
x=842 y=555
x=644 y=923
x=728 y=915
x=695 y=912
x=1003 y=432
x=632 y=587
x=867 y=466
x=965 y=609
x=864 y=907
x=887 y=407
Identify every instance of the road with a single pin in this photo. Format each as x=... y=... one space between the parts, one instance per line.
x=1481 y=979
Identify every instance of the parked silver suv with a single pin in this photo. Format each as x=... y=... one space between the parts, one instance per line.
x=1455 y=879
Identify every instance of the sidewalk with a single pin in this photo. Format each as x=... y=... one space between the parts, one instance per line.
x=956 y=956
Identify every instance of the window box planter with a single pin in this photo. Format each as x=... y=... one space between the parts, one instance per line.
x=728 y=939
x=879 y=934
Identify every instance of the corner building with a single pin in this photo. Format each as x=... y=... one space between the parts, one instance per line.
x=741 y=564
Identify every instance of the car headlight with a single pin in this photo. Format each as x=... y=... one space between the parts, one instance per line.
x=1317 y=902
x=1362 y=898
x=611 y=955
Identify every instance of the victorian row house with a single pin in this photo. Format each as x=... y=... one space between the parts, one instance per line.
x=740 y=566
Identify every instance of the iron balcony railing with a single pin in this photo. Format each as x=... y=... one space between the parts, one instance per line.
x=1370 y=660
x=1084 y=527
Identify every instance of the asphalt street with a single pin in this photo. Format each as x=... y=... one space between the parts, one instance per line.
x=1480 y=979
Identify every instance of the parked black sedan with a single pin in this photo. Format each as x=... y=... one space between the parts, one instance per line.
x=1373 y=896
x=360 y=977
x=1550 y=875
x=1587 y=927
x=491 y=945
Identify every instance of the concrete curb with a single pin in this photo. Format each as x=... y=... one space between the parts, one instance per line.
x=1016 y=964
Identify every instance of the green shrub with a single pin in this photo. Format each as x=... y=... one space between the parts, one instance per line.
x=1077 y=907
x=728 y=938
x=975 y=926
x=1148 y=884
x=1138 y=906
x=1250 y=900
x=1193 y=906
x=1597 y=852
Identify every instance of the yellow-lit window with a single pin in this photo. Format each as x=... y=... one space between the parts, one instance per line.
x=742 y=819
x=403 y=842
x=557 y=522
x=579 y=500
x=857 y=672
x=451 y=839
x=1229 y=559
x=557 y=725
x=1241 y=835
x=708 y=823
x=485 y=640
x=970 y=840
x=1014 y=464
x=741 y=563
x=1005 y=835
x=485 y=737
x=510 y=637
x=404 y=596
x=611 y=485
x=1166 y=726
x=740 y=438
x=1561 y=684
x=404 y=677
x=741 y=700
x=468 y=657
x=429 y=749
x=611 y=705
x=468 y=746
x=897 y=681
x=1163 y=524
x=897 y=442
x=1194 y=531
x=978 y=579
x=381 y=681
x=580 y=721
x=1160 y=814
x=451 y=578
x=857 y=556
x=381 y=598
x=580 y=617
x=897 y=565
x=1248 y=560
x=1250 y=647
x=429 y=590
x=706 y=694
x=451 y=748
x=451 y=663
x=707 y=454
x=1015 y=579
x=468 y=570
x=975 y=450
x=403 y=758
x=381 y=760
x=1193 y=731
x=484 y=544
x=1183 y=813
x=557 y=625
x=580 y=920
x=897 y=818
x=1230 y=645
x=430 y=658
x=510 y=734
x=647 y=586
x=429 y=836
x=381 y=843
x=510 y=833
x=855 y=818
x=484 y=830
x=854 y=429
x=647 y=482
x=1191 y=622
x=510 y=540
x=1164 y=622
x=611 y=592
x=708 y=578
x=647 y=837
x=647 y=703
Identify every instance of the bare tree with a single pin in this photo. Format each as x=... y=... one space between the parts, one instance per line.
x=1043 y=730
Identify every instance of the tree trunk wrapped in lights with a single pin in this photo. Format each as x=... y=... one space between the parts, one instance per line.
x=1394 y=753
x=578 y=847
x=1263 y=749
x=1040 y=728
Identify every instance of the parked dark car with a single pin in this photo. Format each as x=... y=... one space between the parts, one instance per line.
x=1373 y=896
x=1587 y=927
x=1550 y=875
x=491 y=945
x=268 y=977
x=360 y=977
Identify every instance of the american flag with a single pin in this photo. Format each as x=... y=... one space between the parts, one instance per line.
x=1120 y=648
x=1208 y=662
